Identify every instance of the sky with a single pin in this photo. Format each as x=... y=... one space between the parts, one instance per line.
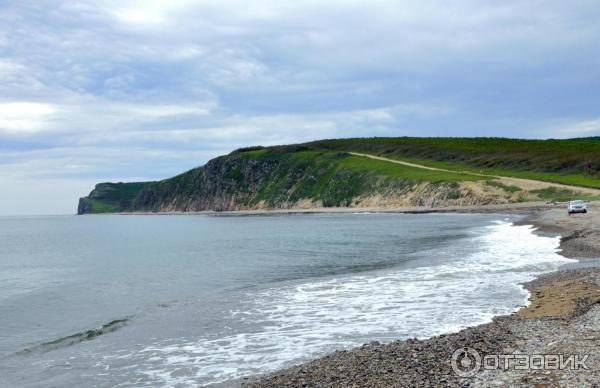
x=103 y=90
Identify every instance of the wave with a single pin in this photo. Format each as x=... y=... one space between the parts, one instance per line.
x=462 y=284
x=77 y=337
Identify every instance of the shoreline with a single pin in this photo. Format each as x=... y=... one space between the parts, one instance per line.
x=562 y=318
x=501 y=208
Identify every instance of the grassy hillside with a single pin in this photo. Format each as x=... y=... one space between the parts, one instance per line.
x=324 y=172
x=111 y=197
x=269 y=177
x=333 y=177
x=569 y=161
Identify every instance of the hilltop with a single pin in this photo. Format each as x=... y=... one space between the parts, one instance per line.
x=368 y=172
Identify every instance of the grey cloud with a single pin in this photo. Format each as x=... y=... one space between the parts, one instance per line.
x=111 y=89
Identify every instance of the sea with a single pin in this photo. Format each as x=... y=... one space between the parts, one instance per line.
x=194 y=300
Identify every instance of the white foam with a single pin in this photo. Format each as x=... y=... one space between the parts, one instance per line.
x=302 y=321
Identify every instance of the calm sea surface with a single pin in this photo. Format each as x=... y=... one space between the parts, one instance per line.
x=187 y=300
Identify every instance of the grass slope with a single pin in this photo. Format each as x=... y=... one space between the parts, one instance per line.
x=324 y=171
x=113 y=197
x=569 y=161
x=291 y=174
x=335 y=177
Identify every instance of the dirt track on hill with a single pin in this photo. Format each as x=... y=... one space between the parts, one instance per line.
x=526 y=184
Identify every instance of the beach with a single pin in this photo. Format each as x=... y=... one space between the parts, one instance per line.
x=563 y=318
x=336 y=297
x=201 y=300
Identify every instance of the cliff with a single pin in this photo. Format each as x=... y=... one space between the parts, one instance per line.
x=325 y=174
x=282 y=178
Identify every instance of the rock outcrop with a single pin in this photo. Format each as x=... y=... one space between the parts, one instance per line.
x=285 y=178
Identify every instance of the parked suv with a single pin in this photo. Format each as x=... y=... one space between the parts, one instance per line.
x=578 y=206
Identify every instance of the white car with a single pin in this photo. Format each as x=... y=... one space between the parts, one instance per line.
x=578 y=206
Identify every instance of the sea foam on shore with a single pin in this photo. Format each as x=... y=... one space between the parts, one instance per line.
x=453 y=286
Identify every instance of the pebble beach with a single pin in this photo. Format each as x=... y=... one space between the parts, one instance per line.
x=562 y=318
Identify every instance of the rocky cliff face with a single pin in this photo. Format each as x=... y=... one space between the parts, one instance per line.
x=84 y=206
x=226 y=183
x=237 y=182
x=265 y=180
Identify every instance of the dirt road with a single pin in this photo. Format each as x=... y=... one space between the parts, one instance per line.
x=526 y=184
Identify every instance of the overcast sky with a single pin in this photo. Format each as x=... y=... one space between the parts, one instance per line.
x=126 y=90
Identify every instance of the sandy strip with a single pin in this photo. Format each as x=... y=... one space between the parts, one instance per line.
x=523 y=207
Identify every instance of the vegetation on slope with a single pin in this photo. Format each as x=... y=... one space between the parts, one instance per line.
x=324 y=172
x=555 y=194
x=111 y=197
x=568 y=161
x=271 y=177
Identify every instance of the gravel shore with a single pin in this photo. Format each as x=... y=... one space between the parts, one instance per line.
x=562 y=318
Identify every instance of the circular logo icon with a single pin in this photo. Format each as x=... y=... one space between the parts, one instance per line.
x=465 y=362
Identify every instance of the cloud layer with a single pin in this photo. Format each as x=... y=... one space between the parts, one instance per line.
x=123 y=90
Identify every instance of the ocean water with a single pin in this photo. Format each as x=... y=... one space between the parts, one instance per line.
x=195 y=300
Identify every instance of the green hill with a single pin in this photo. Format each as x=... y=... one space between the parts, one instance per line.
x=324 y=173
x=569 y=161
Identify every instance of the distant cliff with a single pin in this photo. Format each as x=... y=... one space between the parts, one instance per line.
x=279 y=178
x=325 y=174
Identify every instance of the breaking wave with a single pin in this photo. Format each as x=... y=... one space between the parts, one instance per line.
x=478 y=279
